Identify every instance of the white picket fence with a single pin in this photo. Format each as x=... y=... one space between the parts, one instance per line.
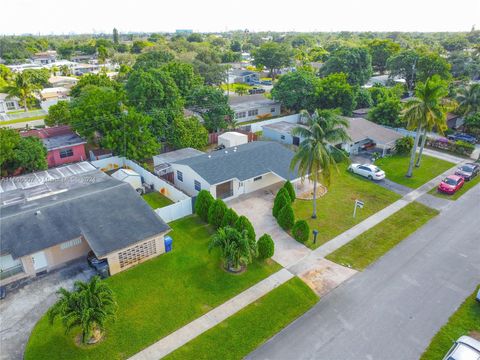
x=176 y=210
x=116 y=162
x=255 y=127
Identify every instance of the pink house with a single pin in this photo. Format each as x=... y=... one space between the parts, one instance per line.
x=63 y=145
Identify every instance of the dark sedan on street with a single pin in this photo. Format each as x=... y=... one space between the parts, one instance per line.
x=468 y=171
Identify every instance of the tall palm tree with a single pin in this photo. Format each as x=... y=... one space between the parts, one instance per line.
x=315 y=155
x=89 y=306
x=235 y=247
x=22 y=87
x=65 y=70
x=468 y=98
x=424 y=112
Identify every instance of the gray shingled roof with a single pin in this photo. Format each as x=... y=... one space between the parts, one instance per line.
x=63 y=140
x=108 y=213
x=248 y=161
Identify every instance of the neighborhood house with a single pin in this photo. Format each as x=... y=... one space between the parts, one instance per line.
x=63 y=145
x=253 y=107
x=234 y=171
x=52 y=217
x=238 y=76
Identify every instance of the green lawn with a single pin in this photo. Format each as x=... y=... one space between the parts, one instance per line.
x=465 y=320
x=234 y=86
x=368 y=247
x=157 y=200
x=9 y=122
x=243 y=332
x=156 y=298
x=467 y=186
x=396 y=167
x=335 y=209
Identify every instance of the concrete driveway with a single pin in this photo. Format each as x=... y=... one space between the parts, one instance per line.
x=23 y=307
x=257 y=207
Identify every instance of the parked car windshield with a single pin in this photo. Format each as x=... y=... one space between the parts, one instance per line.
x=466 y=168
x=450 y=181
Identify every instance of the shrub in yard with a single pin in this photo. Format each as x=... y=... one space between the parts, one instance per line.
x=202 y=204
x=284 y=191
x=291 y=191
x=266 y=247
x=230 y=218
x=279 y=203
x=301 y=231
x=286 y=217
x=404 y=145
x=244 y=224
x=216 y=212
x=463 y=148
x=236 y=248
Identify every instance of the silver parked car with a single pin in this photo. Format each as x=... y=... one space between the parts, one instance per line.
x=371 y=172
x=465 y=348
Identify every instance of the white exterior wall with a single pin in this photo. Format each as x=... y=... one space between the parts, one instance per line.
x=266 y=180
x=189 y=177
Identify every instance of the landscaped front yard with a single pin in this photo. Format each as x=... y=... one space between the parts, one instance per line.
x=155 y=298
x=157 y=200
x=463 y=322
x=368 y=247
x=467 y=186
x=335 y=209
x=243 y=332
x=396 y=167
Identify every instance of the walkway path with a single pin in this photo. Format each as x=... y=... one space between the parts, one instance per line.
x=190 y=331
x=443 y=156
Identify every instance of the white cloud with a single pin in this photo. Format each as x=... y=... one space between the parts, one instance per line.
x=87 y=16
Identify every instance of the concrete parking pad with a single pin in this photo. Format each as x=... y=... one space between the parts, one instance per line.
x=323 y=275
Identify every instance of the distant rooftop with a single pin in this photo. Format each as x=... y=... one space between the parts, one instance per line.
x=238 y=103
x=283 y=126
x=56 y=137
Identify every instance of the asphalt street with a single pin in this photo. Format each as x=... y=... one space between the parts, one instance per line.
x=393 y=309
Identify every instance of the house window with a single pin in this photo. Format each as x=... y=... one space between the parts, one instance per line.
x=240 y=115
x=71 y=243
x=257 y=178
x=137 y=253
x=282 y=137
x=272 y=110
x=252 y=112
x=9 y=266
x=197 y=184
x=11 y=105
x=64 y=153
x=179 y=175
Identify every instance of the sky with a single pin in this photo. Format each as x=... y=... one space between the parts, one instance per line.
x=96 y=16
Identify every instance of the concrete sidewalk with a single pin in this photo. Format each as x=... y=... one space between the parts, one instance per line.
x=190 y=331
x=443 y=156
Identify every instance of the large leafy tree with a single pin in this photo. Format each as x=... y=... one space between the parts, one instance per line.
x=22 y=87
x=334 y=92
x=183 y=75
x=430 y=64
x=154 y=88
x=153 y=59
x=297 y=90
x=100 y=80
x=88 y=307
x=9 y=140
x=381 y=50
x=38 y=77
x=356 y=62
x=403 y=65
x=425 y=111
x=212 y=104
x=58 y=114
x=129 y=135
x=386 y=112
x=273 y=56
x=187 y=132
x=315 y=155
x=29 y=155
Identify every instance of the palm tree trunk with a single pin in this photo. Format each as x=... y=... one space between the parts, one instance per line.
x=414 y=152
x=424 y=139
x=314 y=214
x=25 y=105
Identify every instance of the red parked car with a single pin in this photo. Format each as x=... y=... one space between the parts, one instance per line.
x=451 y=184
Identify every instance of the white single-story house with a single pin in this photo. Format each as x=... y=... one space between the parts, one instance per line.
x=45 y=57
x=129 y=176
x=232 y=138
x=63 y=81
x=363 y=133
x=8 y=103
x=252 y=107
x=242 y=76
x=235 y=171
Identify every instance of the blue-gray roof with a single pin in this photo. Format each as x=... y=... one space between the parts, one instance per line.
x=63 y=140
x=108 y=213
x=248 y=161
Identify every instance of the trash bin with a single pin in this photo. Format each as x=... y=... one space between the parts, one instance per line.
x=168 y=243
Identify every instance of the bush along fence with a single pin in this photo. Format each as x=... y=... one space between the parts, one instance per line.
x=235 y=235
x=456 y=147
x=283 y=212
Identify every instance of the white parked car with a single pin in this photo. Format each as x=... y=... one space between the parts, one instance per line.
x=465 y=348
x=369 y=171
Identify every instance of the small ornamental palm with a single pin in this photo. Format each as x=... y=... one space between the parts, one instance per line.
x=236 y=248
x=89 y=306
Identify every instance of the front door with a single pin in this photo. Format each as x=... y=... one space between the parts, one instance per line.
x=296 y=140
x=39 y=261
